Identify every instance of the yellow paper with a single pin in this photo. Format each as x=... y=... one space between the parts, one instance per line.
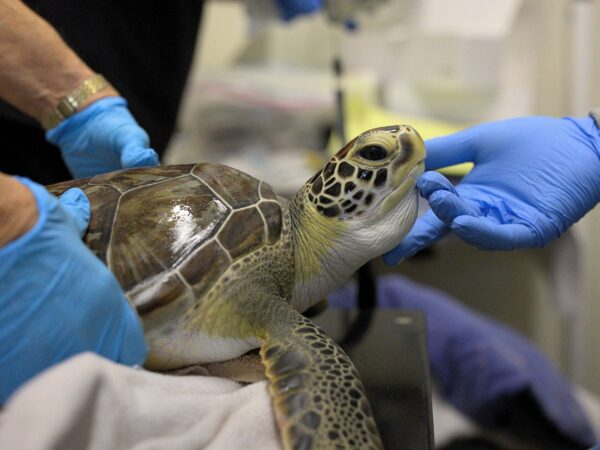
x=362 y=115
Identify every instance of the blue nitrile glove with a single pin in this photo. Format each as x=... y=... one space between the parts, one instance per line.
x=289 y=9
x=101 y=138
x=57 y=298
x=533 y=178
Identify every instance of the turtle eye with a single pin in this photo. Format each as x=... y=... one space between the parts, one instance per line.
x=373 y=153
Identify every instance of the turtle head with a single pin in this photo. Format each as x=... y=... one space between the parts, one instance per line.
x=360 y=205
x=369 y=185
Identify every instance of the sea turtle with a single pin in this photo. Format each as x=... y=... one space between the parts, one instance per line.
x=216 y=264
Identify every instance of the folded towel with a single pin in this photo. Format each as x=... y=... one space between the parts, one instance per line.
x=480 y=365
x=88 y=402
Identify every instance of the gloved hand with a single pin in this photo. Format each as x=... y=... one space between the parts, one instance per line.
x=58 y=299
x=338 y=11
x=344 y=11
x=533 y=178
x=290 y=9
x=102 y=137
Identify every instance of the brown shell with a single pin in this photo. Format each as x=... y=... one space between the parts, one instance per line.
x=178 y=226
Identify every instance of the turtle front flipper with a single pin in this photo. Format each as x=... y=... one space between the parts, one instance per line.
x=320 y=402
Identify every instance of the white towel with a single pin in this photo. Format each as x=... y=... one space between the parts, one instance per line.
x=88 y=402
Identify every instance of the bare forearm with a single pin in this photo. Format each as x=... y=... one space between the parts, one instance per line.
x=38 y=68
x=18 y=210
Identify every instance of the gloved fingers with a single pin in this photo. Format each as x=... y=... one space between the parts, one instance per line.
x=102 y=137
x=444 y=199
x=77 y=206
x=486 y=234
x=137 y=156
x=135 y=349
x=132 y=142
x=289 y=9
x=449 y=205
x=117 y=331
x=431 y=182
x=450 y=150
x=427 y=230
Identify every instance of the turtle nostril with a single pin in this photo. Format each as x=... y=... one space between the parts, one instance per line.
x=380 y=178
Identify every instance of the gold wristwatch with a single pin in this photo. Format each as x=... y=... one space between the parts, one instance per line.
x=71 y=103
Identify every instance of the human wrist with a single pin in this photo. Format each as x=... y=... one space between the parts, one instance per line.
x=18 y=209
x=38 y=68
x=72 y=125
x=108 y=91
x=89 y=90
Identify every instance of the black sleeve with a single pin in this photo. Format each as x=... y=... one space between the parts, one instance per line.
x=144 y=49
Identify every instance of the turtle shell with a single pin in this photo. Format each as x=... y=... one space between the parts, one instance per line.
x=166 y=229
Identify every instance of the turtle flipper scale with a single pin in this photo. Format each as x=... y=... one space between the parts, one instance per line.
x=319 y=400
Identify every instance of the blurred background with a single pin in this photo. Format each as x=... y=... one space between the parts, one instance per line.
x=261 y=98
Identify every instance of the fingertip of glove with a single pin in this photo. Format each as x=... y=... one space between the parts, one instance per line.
x=407 y=248
x=478 y=229
x=472 y=229
x=426 y=230
x=410 y=245
x=76 y=204
x=433 y=181
x=438 y=197
x=449 y=205
x=394 y=257
x=135 y=349
x=134 y=353
x=153 y=157
x=74 y=196
x=464 y=225
x=462 y=221
x=139 y=157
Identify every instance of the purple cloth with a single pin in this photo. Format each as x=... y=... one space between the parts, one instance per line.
x=478 y=363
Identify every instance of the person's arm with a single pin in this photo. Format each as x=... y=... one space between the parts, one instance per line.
x=533 y=178
x=18 y=212
x=57 y=298
x=39 y=71
x=38 y=68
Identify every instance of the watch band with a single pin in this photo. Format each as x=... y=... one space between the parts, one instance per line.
x=71 y=103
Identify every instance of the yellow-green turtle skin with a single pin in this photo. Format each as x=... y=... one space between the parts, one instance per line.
x=216 y=264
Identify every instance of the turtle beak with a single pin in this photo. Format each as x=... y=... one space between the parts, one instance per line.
x=410 y=161
x=407 y=167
